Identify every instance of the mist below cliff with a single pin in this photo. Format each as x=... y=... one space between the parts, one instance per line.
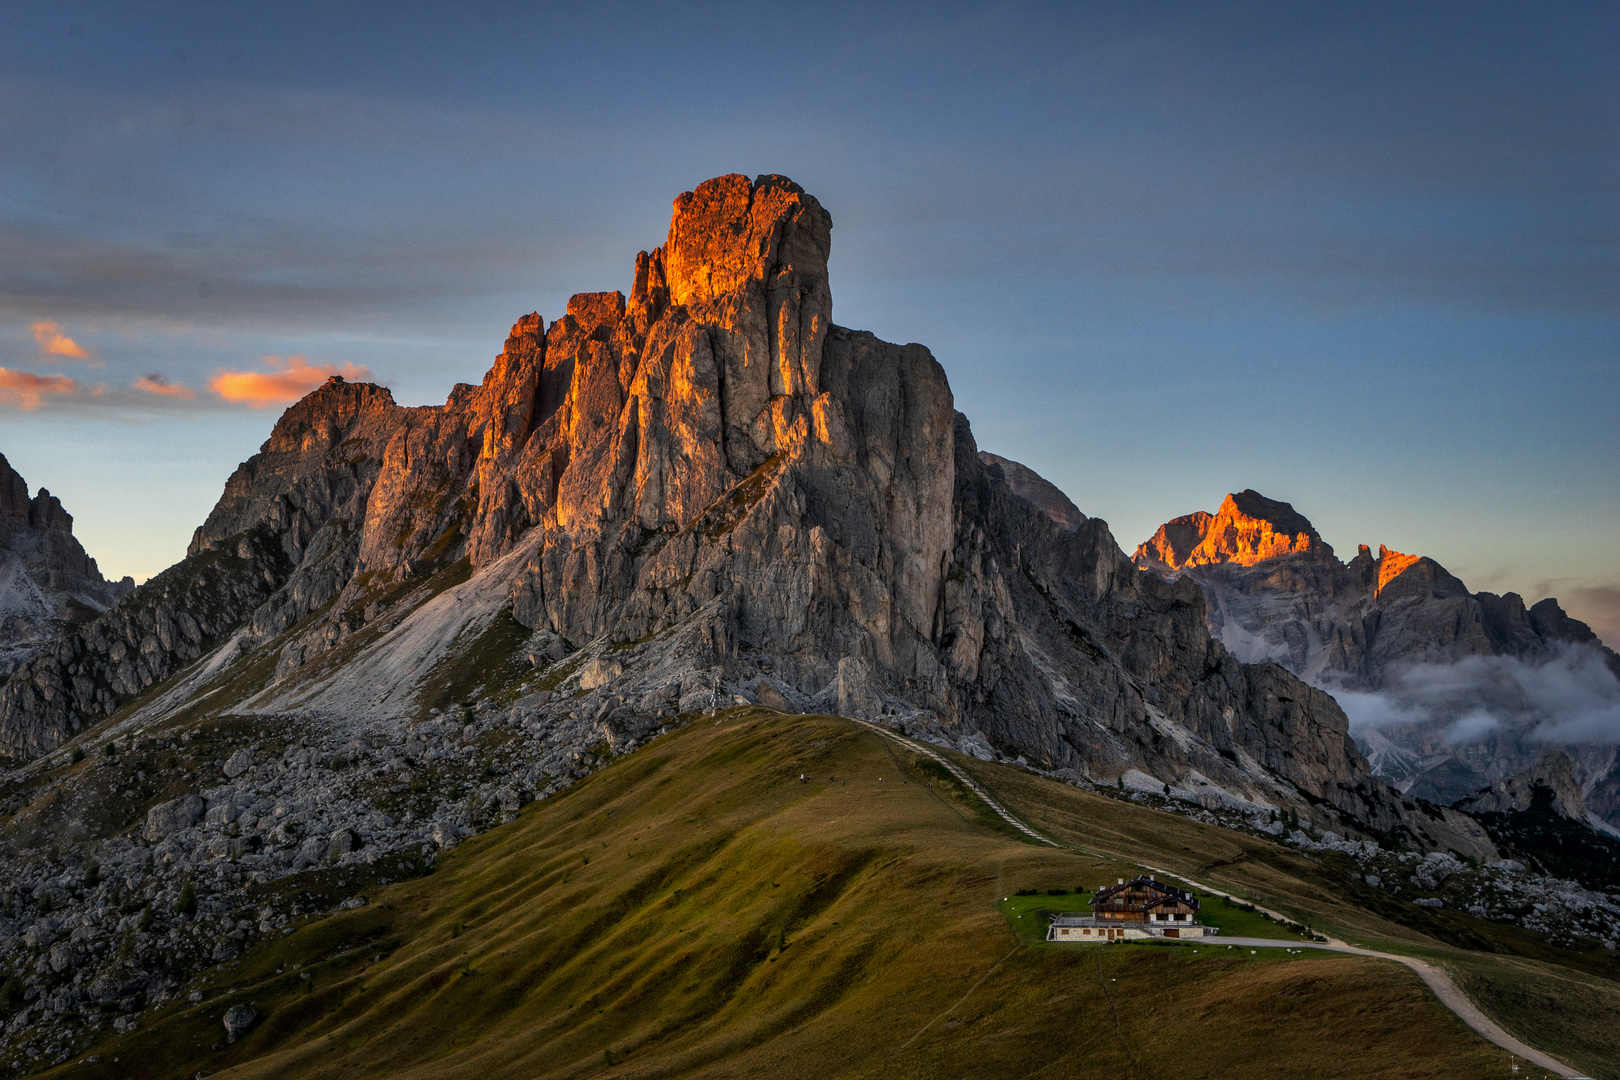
x=1571 y=696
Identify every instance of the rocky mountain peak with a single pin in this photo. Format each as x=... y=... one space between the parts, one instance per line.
x=1249 y=505
x=14 y=502
x=47 y=581
x=43 y=511
x=1391 y=565
x=1247 y=529
x=729 y=235
x=700 y=492
x=595 y=315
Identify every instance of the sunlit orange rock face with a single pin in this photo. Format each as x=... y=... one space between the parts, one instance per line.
x=1248 y=529
x=608 y=441
x=1391 y=565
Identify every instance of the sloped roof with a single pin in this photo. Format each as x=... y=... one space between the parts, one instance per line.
x=1166 y=893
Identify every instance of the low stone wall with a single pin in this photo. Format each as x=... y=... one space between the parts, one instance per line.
x=1094 y=934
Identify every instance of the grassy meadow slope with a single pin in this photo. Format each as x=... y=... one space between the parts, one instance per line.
x=1562 y=1001
x=694 y=909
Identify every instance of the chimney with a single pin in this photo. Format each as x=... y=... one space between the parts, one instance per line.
x=1122 y=881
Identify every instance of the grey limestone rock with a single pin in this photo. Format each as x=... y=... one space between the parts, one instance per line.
x=239 y=762
x=170 y=817
x=238 y=1018
x=1554 y=771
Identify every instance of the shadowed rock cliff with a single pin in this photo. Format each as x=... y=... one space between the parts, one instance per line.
x=1553 y=771
x=1034 y=487
x=47 y=582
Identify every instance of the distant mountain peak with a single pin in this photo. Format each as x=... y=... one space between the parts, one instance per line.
x=1412 y=647
x=1281 y=516
x=47 y=580
x=1247 y=529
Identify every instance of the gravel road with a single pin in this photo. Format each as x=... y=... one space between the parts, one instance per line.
x=1447 y=991
x=1438 y=981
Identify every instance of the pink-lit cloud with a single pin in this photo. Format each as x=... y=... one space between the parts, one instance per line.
x=286 y=382
x=157 y=384
x=26 y=391
x=52 y=342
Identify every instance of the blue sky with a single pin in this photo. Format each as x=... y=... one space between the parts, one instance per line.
x=1363 y=258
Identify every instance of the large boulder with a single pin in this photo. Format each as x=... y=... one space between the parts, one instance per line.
x=168 y=818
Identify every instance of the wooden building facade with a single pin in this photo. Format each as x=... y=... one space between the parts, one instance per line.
x=1144 y=900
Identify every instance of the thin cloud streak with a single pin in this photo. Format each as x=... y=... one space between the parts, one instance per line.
x=288 y=380
x=27 y=391
x=157 y=384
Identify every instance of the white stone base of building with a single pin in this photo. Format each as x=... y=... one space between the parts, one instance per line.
x=1090 y=932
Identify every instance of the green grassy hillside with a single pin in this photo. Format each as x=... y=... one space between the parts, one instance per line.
x=1563 y=1001
x=694 y=909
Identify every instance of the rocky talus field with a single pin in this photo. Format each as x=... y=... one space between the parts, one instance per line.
x=510 y=737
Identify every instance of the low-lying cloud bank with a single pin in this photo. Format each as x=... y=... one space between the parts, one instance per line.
x=1571 y=696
